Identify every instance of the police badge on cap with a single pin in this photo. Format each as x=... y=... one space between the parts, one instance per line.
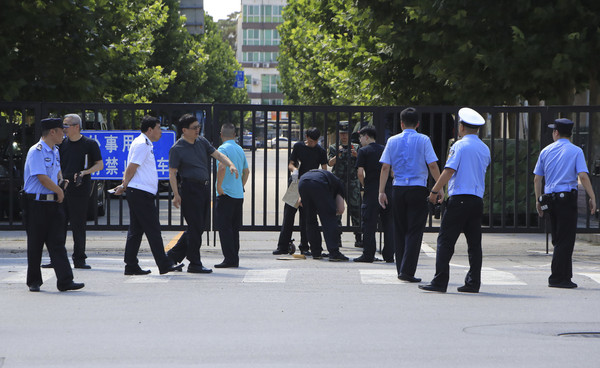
x=51 y=123
x=470 y=117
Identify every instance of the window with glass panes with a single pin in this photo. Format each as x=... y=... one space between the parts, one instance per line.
x=269 y=83
x=251 y=13
x=251 y=37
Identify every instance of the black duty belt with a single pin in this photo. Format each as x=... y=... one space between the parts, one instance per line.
x=41 y=197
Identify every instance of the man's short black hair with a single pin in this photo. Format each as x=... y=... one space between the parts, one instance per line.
x=564 y=130
x=185 y=121
x=313 y=133
x=409 y=117
x=368 y=130
x=149 y=122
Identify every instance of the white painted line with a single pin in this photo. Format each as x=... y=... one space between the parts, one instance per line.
x=592 y=275
x=428 y=250
x=379 y=277
x=276 y=275
x=20 y=277
x=147 y=279
x=492 y=276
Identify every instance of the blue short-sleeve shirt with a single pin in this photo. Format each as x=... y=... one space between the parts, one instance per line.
x=41 y=160
x=470 y=157
x=233 y=187
x=560 y=163
x=409 y=153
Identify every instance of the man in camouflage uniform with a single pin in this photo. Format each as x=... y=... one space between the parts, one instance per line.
x=343 y=160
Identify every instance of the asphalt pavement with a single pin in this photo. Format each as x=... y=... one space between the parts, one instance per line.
x=297 y=313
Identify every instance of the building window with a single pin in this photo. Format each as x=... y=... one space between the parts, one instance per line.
x=251 y=13
x=270 y=83
x=260 y=57
x=252 y=37
x=249 y=83
x=271 y=102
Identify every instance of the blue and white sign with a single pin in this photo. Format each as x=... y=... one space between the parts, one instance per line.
x=239 y=79
x=114 y=147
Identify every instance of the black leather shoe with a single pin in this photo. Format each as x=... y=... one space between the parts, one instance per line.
x=278 y=252
x=72 y=286
x=404 y=277
x=339 y=257
x=136 y=272
x=47 y=265
x=34 y=288
x=198 y=269
x=358 y=244
x=317 y=256
x=363 y=259
x=83 y=266
x=389 y=260
x=468 y=289
x=564 y=285
x=226 y=265
x=432 y=287
x=172 y=268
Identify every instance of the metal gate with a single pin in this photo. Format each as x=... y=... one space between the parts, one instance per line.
x=515 y=136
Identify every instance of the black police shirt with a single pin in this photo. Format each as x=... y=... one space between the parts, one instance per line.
x=309 y=158
x=368 y=158
x=72 y=160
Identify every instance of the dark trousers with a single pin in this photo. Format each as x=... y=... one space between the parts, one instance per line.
x=287 y=228
x=195 y=201
x=462 y=214
x=228 y=219
x=563 y=219
x=76 y=211
x=410 y=209
x=316 y=200
x=371 y=212
x=143 y=219
x=45 y=224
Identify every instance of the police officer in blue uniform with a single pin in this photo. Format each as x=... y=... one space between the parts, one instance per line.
x=44 y=215
x=411 y=157
x=465 y=174
x=561 y=164
x=322 y=193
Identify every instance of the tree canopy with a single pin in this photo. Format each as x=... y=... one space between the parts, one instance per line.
x=438 y=52
x=111 y=51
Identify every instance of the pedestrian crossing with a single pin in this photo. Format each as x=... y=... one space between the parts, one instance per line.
x=517 y=276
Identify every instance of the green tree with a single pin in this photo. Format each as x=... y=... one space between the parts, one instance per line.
x=228 y=28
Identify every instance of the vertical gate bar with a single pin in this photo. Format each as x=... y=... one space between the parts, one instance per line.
x=516 y=172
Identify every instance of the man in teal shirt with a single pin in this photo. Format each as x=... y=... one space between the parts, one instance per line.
x=230 y=197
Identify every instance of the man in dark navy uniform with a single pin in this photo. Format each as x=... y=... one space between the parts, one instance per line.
x=561 y=164
x=43 y=211
x=465 y=171
x=369 y=171
x=322 y=193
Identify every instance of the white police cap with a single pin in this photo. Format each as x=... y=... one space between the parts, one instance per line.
x=470 y=116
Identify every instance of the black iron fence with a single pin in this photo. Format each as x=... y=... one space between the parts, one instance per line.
x=515 y=136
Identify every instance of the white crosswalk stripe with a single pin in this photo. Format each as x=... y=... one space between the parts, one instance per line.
x=592 y=275
x=275 y=275
x=379 y=277
x=20 y=277
x=492 y=276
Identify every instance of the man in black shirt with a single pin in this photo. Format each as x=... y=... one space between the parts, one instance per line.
x=369 y=170
x=322 y=193
x=80 y=158
x=305 y=156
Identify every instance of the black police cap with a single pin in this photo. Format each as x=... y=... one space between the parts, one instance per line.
x=51 y=123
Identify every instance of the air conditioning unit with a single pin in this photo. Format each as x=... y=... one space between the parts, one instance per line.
x=255 y=82
x=266 y=65
x=256 y=65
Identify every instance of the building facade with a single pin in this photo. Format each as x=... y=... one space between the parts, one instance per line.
x=194 y=13
x=258 y=49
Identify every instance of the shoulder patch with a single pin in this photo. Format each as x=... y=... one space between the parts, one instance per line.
x=38 y=147
x=148 y=142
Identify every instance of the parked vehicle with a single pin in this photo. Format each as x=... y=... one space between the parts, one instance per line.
x=281 y=142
